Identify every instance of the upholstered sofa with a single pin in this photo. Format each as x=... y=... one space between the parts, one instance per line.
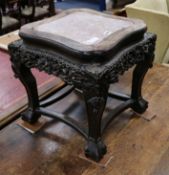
x=156 y=15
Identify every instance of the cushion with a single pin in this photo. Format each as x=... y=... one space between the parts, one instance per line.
x=157 y=5
x=8 y=22
x=27 y=11
x=38 y=11
x=41 y=11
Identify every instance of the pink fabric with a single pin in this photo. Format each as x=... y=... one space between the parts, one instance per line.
x=11 y=89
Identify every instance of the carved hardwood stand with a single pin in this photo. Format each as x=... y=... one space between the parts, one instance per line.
x=91 y=77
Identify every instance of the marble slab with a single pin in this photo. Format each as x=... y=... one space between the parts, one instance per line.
x=83 y=30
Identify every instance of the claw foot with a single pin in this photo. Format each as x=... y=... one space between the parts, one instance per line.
x=140 y=106
x=30 y=116
x=95 y=149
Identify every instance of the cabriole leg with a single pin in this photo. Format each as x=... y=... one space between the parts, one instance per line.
x=95 y=99
x=26 y=77
x=140 y=104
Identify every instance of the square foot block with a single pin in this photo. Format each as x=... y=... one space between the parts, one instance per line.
x=148 y=115
x=32 y=128
x=102 y=163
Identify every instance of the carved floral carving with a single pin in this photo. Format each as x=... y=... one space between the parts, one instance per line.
x=79 y=74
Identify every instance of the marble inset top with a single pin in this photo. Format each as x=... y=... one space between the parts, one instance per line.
x=83 y=30
x=83 y=27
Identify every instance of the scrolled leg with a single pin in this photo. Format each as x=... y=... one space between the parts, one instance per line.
x=26 y=77
x=95 y=98
x=140 y=104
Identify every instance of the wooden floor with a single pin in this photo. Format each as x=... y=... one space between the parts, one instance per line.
x=138 y=146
